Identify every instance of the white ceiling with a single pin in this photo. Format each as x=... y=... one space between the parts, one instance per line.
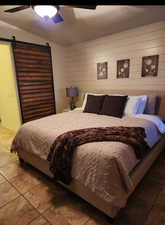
x=81 y=24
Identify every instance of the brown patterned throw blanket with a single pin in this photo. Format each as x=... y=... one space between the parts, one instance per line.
x=62 y=150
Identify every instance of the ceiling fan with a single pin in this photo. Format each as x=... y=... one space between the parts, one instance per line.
x=50 y=11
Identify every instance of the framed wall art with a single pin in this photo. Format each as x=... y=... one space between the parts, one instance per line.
x=102 y=70
x=150 y=65
x=123 y=68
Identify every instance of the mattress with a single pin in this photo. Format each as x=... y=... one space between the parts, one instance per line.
x=110 y=162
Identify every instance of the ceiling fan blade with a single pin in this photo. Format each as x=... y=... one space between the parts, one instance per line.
x=57 y=18
x=83 y=6
x=17 y=9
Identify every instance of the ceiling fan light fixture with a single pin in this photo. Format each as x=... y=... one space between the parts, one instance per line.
x=45 y=10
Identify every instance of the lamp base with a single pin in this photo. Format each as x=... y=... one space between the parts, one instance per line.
x=72 y=105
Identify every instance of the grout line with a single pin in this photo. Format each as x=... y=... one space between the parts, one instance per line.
x=21 y=194
x=3 y=181
x=9 y=202
x=41 y=214
x=87 y=221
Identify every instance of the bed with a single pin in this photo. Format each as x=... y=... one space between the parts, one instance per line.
x=118 y=169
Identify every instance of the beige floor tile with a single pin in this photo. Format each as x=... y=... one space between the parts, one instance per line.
x=6 y=141
x=42 y=196
x=6 y=157
x=2 y=179
x=17 y=212
x=71 y=214
x=25 y=181
x=12 y=170
x=71 y=207
x=6 y=137
x=39 y=221
x=56 y=218
x=7 y=193
x=74 y=214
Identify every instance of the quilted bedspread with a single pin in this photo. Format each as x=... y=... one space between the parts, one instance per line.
x=103 y=167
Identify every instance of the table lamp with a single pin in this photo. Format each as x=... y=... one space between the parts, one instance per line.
x=72 y=92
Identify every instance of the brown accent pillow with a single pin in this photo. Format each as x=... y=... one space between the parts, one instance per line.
x=113 y=105
x=94 y=103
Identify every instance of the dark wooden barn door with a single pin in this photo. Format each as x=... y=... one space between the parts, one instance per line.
x=34 y=80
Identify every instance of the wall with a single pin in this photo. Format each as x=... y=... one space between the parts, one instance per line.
x=132 y=44
x=76 y=65
x=60 y=75
x=9 y=108
x=58 y=58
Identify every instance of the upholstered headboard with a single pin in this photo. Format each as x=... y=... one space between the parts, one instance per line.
x=160 y=108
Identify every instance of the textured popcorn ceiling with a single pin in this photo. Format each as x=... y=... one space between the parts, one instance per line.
x=82 y=25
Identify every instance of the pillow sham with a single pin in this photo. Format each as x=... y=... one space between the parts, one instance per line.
x=113 y=105
x=89 y=93
x=94 y=103
x=85 y=98
x=135 y=105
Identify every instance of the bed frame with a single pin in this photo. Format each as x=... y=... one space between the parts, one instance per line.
x=136 y=175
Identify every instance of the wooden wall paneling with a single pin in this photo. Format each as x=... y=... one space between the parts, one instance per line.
x=34 y=80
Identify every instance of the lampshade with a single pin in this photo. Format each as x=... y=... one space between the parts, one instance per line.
x=45 y=10
x=72 y=92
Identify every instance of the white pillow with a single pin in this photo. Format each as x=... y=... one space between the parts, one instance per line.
x=135 y=105
x=155 y=119
x=85 y=98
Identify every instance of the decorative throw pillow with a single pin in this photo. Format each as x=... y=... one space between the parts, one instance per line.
x=94 y=103
x=85 y=98
x=113 y=105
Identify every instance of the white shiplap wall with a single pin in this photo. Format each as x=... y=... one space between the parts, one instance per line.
x=133 y=44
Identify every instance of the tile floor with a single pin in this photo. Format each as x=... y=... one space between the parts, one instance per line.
x=6 y=137
x=27 y=197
